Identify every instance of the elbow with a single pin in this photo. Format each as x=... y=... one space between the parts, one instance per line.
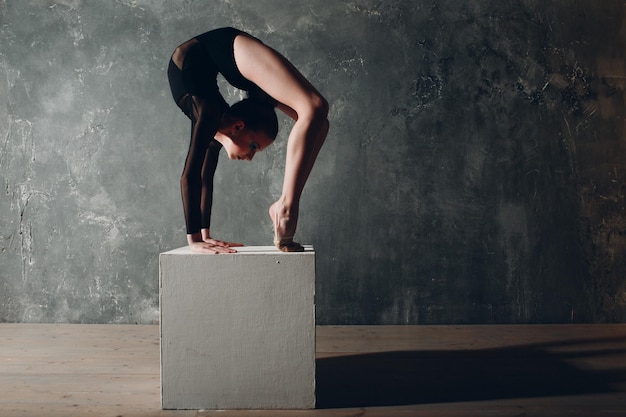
x=184 y=182
x=187 y=181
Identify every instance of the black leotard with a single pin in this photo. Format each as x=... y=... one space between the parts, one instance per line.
x=218 y=44
x=202 y=62
x=212 y=54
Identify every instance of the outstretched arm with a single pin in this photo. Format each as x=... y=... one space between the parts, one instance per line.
x=196 y=182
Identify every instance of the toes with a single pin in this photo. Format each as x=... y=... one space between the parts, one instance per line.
x=289 y=246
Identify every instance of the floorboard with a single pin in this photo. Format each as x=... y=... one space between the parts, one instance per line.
x=439 y=371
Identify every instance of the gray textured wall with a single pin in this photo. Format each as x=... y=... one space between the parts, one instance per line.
x=473 y=173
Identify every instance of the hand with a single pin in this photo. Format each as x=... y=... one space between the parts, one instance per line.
x=206 y=237
x=221 y=243
x=204 y=243
x=204 y=247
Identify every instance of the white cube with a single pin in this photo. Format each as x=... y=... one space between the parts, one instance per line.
x=238 y=330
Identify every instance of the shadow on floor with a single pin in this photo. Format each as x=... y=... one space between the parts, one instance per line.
x=420 y=377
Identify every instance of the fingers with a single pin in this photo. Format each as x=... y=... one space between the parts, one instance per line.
x=222 y=249
x=234 y=245
x=288 y=245
x=215 y=250
x=222 y=243
x=209 y=248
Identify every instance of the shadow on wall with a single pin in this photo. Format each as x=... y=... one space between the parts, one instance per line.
x=421 y=377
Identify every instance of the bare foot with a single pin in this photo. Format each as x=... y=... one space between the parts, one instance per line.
x=285 y=222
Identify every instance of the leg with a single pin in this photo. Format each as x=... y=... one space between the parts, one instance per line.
x=281 y=80
x=283 y=217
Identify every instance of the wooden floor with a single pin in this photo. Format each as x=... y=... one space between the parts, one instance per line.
x=438 y=371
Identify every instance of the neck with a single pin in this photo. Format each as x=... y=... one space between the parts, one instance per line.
x=221 y=137
x=223 y=130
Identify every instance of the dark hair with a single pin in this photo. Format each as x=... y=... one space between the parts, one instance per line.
x=257 y=115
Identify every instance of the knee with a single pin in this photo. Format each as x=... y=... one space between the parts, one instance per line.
x=325 y=127
x=319 y=106
x=320 y=109
x=323 y=114
x=315 y=108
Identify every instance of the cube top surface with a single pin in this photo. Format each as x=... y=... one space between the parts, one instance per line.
x=256 y=250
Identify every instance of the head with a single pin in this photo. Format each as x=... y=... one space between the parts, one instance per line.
x=251 y=126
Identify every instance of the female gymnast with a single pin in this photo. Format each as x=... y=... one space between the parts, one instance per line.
x=245 y=128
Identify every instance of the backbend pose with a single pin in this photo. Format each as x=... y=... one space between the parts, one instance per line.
x=245 y=128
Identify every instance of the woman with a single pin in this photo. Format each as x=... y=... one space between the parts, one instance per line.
x=245 y=128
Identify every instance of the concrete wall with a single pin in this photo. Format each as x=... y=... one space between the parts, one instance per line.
x=473 y=173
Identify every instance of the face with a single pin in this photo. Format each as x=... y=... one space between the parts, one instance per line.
x=246 y=143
